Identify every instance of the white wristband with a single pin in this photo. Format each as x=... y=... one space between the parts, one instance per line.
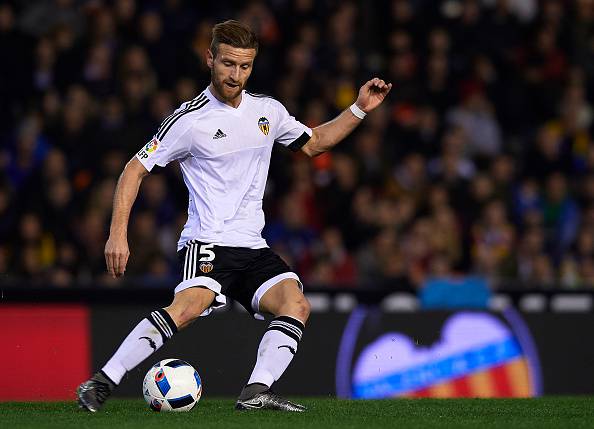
x=357 y=111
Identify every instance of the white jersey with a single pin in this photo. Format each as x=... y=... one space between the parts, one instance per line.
x=224 y=154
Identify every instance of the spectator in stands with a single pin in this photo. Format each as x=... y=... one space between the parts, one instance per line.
x=493 y=239
x=291 y=234
x=560 y=213
x=334 y=265
x=476 y=117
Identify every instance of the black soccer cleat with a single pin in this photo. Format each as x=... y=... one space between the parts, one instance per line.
x=94 y=392
x=268 y=401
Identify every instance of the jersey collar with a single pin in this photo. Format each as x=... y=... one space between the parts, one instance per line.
x=237 y=110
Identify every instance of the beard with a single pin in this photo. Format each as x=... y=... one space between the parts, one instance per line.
x=224 y=91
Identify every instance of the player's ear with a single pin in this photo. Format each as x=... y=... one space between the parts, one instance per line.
x=209 y=58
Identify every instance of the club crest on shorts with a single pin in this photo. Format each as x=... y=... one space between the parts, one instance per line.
x=264 y=125
x=206 y=267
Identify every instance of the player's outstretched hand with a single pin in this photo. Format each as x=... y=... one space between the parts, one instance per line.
x=372 y=94
x=116 y=255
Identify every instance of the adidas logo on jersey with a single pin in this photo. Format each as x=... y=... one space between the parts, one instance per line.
x=219 y=135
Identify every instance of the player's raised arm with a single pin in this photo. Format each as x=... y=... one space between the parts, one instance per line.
x=116 y=248
x=327 y=135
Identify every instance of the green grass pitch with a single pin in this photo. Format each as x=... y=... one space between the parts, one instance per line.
x=550 y=412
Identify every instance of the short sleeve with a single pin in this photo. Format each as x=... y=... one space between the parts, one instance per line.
x=290 y=132
x=171 y=142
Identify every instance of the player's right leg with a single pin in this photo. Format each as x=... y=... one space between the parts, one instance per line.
x=145 y=339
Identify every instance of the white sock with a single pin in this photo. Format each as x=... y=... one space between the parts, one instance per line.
x=144 y=340
x=276 y=350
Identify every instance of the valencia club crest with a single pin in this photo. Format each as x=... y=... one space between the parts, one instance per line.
x=264 y=125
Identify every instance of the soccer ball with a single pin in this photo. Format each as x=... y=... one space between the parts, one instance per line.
x=172 y=385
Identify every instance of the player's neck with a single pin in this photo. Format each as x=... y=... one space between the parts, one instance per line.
x=232 y=103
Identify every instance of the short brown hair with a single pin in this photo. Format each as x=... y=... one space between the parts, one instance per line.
x=233 y=33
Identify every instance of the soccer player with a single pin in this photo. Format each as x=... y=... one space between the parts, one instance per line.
x=223 y=141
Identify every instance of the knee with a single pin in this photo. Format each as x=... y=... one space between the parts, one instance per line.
x=301 y=309
x=189 y=304
x=183 y=315
x=186 y=317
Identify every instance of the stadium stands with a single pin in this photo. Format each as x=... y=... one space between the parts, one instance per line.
x=482 y=161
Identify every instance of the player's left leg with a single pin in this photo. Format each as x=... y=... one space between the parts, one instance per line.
x=278 y=346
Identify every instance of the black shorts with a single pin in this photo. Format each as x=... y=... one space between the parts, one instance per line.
x=239 y=273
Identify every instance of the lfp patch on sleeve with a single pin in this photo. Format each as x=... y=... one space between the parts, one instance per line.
x=148 y=149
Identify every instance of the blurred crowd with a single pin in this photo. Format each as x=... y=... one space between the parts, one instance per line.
x=480 y=162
